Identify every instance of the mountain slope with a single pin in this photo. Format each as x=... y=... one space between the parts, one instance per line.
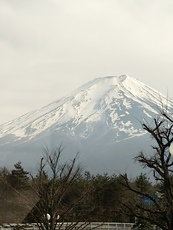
x=110 y=100
x=102 y=112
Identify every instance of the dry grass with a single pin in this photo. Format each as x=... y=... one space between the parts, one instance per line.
x=15 y=204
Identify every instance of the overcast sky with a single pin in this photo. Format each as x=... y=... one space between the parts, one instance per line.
x=50 y=47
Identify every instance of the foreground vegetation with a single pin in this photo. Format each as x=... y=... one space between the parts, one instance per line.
x=70 y=194
x=66 y=193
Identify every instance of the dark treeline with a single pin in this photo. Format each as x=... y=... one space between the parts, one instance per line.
x=92 y=197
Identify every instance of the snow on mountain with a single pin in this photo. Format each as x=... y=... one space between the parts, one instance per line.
x=115 y=102
x=104 y=111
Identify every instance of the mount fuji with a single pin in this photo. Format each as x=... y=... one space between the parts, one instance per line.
x=101 y=120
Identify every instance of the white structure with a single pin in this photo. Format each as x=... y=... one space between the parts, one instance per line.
x=171 y=148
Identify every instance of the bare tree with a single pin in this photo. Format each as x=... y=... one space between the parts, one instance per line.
x=156 y=207
x=56 y=200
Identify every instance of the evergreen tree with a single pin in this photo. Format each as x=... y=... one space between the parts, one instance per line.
x=18 y=177
x=143 y=183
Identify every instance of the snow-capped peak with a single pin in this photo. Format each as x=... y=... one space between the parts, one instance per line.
x=107 y=104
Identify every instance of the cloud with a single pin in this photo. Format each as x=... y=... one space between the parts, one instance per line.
x=55 y=46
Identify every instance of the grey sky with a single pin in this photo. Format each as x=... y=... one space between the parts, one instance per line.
x=51 y=47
